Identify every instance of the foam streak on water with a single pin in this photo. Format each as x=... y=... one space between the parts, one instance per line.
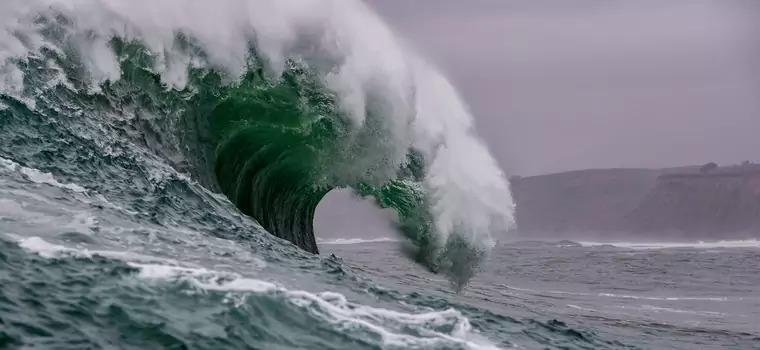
x=750 y=243
x=356 y=240
x=397 y=330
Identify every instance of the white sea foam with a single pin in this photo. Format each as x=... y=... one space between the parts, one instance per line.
x=351 y=241
x=41 y=247
x=658 y=309
x=750 y=243
x=336 y=309
x=582 y=308
x=50 y=250
x=39 y=177
x=469 y=192
x=625 y=296
x=329 y=307
x=15 y=211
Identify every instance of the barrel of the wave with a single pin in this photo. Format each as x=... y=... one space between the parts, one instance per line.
x=282 y=145
x=269 y=148
x=272 y=156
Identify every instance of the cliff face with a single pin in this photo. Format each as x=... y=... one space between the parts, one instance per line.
x=583 y=201
x=674 y=203
x=720 y=205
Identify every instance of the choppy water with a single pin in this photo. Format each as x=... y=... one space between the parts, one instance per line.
x=535 y=295
x=81 y=272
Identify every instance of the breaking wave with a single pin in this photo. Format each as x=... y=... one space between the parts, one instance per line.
x=271 y=103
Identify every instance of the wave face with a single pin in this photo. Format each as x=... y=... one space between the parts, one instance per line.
x=271 y=103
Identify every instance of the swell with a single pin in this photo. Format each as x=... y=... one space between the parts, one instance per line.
x=275 y=113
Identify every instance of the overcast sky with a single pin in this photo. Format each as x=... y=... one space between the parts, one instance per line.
x=568 y=84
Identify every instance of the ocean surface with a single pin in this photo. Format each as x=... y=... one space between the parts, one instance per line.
x=161 y=163
x=568 y=295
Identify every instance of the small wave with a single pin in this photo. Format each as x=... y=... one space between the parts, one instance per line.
x=750 y=243
x=39 y=177
x=620 y=296
x=49 y=250
x=542 y=244
x=351 y=241
x=437 y=329
x=671 y=310
x=581 y=308
x=667 y=309
x=666 y=298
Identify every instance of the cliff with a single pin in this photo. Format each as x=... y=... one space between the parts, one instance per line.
x=674 y=203
x=580 y=201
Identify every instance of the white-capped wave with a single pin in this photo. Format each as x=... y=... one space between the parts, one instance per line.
x=581 y=308
x=658 y=309
x=49 y=250
x=639 y=297
x=391 y=326
x=749 y=243
x=350 y=241
x=39 y=177
x=624 y=296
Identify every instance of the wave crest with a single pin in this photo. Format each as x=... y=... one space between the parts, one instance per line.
x=274 y=104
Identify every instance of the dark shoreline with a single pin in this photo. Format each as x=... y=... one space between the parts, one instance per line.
x=695 y=202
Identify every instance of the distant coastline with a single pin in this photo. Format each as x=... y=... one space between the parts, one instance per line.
x=693 y=202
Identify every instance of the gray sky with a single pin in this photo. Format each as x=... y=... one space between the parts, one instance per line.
x=567 y=84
